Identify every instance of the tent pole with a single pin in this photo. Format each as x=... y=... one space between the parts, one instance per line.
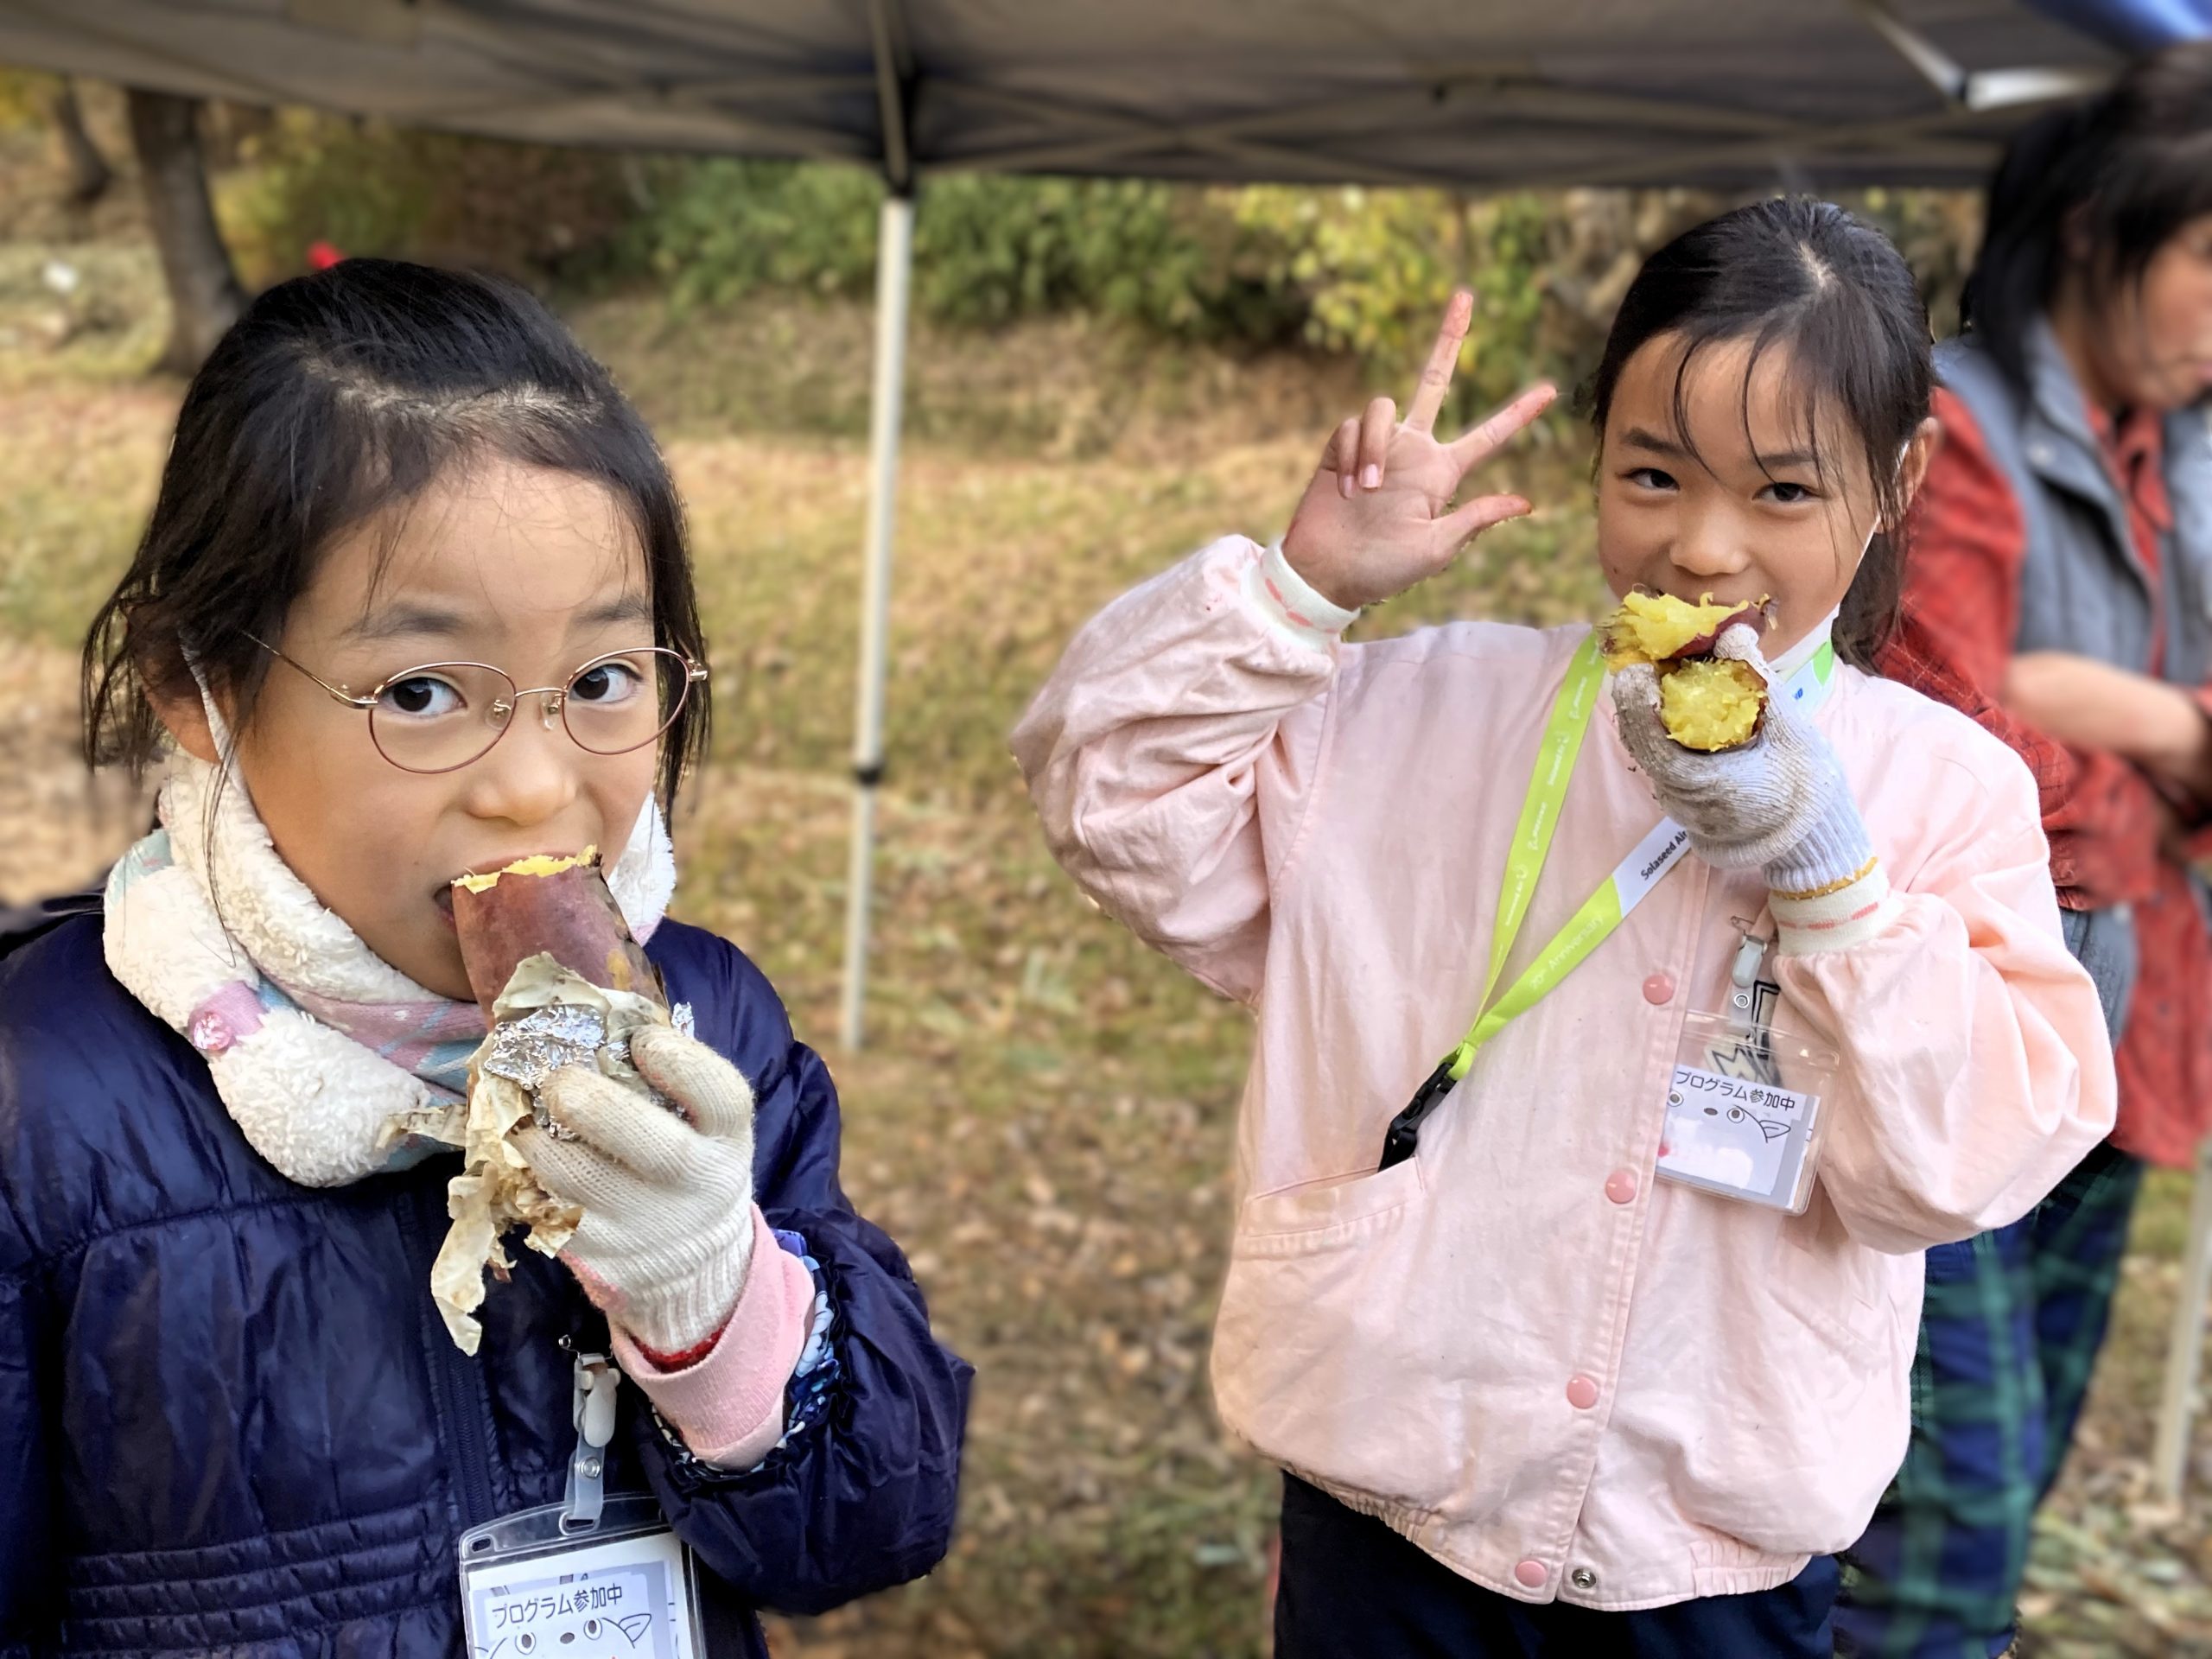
x=2178 y=1400
x=894 y=270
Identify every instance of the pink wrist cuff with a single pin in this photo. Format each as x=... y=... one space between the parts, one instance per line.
x=1849 y=914
x=1287 y=601
x=730 y=1405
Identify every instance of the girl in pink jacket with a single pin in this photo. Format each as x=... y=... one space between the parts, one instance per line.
x=1596 y=1336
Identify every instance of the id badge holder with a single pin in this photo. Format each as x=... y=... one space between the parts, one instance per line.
x=1744 y=1101
x=595 y=1575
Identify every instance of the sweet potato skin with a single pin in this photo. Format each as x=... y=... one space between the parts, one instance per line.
x=1628 y=635
x=568 y=914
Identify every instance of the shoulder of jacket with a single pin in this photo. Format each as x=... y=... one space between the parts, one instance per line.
x=1896 y=718
x=97 y=1095
x=58 y=999
x=735 y=1007
x=2189 y=432
x=1963 y=356
x=1501 y=650
x=1998 y=408
x=1465 y=684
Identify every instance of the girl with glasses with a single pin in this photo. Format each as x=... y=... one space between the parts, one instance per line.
x=415 y=601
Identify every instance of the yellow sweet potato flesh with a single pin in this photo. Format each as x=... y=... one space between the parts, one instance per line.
x=1653 y=627
x=1712 y=703
x=535 y=864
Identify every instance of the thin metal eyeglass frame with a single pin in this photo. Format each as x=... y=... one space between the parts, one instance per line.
x=695 y=673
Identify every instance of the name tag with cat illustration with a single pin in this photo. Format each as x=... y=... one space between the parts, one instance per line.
x=622 y=1589
x=1742 y=1112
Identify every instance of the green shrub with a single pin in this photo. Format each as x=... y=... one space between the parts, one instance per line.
x=987 y=249
x=1377 y=268
x=1358 y=271
x=1172 y=259
x=714 y=230
x=23 y=93
x=528 y=210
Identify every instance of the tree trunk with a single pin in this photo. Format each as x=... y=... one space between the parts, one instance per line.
x=205 y=297
x=89 y=172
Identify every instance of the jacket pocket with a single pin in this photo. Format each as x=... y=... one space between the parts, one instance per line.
x=1832 y=1285
x=1322 y=1358
x=1317 y=1215
x=1812 y=1393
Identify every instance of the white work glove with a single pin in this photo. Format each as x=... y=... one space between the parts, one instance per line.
x=667 y=1229
x=1779 y=805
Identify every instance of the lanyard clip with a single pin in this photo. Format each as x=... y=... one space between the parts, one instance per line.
x=1751 y=957
x=1403 y=1135
x=597 y=1378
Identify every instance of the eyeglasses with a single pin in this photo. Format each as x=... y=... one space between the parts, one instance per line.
x=443 y=717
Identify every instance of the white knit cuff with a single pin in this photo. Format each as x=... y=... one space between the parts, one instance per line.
x=1286 y=600
x=1833 y=849
x=1835 y=919
x=729 y=1405
x=693 y=1303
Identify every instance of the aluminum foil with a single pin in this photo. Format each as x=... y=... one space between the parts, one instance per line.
x=531 y=1049
x=547 y=1018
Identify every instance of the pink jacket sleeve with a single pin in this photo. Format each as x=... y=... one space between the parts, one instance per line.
x=1170 y=752
x=1977 y=1070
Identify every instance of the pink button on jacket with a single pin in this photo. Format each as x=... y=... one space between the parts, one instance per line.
x=1318 y=830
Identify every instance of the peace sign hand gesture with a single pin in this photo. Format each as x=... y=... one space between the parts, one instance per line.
x=1377 y=517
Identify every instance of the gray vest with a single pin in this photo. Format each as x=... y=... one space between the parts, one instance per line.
x=2082 y=586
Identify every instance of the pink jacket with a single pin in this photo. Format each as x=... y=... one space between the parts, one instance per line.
x=1552 y=1373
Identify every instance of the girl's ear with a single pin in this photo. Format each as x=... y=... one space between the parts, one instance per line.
x=185 y=715
x=1912 y=469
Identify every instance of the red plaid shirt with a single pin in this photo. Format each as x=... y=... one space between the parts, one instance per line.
x=1962 y=603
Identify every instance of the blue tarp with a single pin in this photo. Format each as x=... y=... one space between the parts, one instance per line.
x=2134 y=25
x=1472 y=93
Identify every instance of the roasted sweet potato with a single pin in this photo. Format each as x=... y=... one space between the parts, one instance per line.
x=1706 y=702
x=560 y=906
x=1711 y=703
x=1660 y=628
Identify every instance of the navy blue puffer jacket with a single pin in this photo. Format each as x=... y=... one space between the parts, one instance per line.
x=232 y=1422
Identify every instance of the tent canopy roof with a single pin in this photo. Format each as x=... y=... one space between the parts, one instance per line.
x=1473 y=93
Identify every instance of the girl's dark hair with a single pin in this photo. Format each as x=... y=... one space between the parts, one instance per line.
x=1807 y=278
x=336 y=397
x=2092 y=192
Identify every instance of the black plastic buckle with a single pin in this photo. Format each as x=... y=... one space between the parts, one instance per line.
x=1403 y=1136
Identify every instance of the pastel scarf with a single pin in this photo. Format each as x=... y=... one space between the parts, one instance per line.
x=333 y=1062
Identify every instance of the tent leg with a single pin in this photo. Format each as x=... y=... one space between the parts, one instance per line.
x=2177 y=1403
x=894 y=270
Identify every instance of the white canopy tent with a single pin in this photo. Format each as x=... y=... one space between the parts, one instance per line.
x=1464 y=94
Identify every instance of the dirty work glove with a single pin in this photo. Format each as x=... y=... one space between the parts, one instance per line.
x=667 y=1230
x=1779 y=805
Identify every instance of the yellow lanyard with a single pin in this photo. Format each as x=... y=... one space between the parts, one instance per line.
x=1631 y=883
